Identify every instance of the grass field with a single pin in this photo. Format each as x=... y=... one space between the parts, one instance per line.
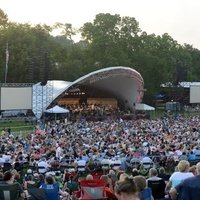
x=17 y=126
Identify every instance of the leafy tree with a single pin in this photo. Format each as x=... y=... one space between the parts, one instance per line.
x=3 y=19
x=66 y=30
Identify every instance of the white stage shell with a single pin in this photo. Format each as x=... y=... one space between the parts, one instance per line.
x=124 y=82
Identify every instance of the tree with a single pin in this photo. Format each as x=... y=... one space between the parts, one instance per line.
x=107 y=37
x=3 y=19
x=66 y=30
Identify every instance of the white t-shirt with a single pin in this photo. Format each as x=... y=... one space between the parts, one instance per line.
x=147 y=162
x=116 y=164
x=105 y=163
x=43 y=164
x=178 y=177
x=81 y=165
x=59 y=151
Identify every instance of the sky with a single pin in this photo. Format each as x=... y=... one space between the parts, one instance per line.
x=179 y=18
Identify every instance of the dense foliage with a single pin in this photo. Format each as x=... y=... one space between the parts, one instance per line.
x=110 y=40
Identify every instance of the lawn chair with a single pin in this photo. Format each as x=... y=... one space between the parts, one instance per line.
x=36 y=194
x=92 y=190
x=157 y=187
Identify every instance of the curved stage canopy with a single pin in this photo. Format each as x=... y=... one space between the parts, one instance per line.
x=123 y=83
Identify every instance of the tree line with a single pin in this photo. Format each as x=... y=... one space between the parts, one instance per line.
x=35 y=53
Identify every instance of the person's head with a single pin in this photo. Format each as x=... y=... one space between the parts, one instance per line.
x=123 y=176
x=162 y=170
x=135 y=172
x=126 y=190
x=8 y=176
x=153 y=172
x=183 y=166
x=140 y=182
x=105 y=178
x=41 y=177
x=17 y=176
x=111 y=172
x=30 y=177
x=119 y=174
x=89 y=177
x=192 y=169
x=49 y=179
x=198 y=168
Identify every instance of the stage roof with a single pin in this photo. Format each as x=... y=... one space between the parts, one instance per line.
x=124 y=83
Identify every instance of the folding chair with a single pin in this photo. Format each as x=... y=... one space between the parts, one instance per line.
x=157 y=187
x=92 y=190
x=36 y=194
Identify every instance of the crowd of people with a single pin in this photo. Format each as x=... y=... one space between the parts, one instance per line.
x=68 y=151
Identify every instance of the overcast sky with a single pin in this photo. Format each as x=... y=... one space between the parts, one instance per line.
x=178 y=18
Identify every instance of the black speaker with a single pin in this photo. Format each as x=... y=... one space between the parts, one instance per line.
x=45 y=70
x=181 y=72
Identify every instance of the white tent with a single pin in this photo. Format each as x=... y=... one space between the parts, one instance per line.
x=57 y=110
x=142 y=106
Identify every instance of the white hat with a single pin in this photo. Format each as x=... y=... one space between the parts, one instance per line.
x=29 y=171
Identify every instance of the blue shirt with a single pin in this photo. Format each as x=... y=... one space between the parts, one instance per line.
x=189 y=189
x=52 y=191
x=146 y=194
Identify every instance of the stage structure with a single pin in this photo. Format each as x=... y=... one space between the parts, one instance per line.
x=122 y=84
x=42 y=97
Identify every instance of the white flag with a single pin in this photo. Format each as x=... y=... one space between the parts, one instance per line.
x=7 y=59
x=7 y=55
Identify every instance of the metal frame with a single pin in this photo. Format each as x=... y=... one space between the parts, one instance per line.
x=42 y=97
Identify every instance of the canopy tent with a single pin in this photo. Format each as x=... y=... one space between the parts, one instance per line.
x=57 y=109
x=142 y=106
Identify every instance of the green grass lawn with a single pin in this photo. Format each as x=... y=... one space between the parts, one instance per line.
x=17 y=126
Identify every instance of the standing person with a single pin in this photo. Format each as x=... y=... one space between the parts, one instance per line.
x=189 y=189
x=126 y=190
